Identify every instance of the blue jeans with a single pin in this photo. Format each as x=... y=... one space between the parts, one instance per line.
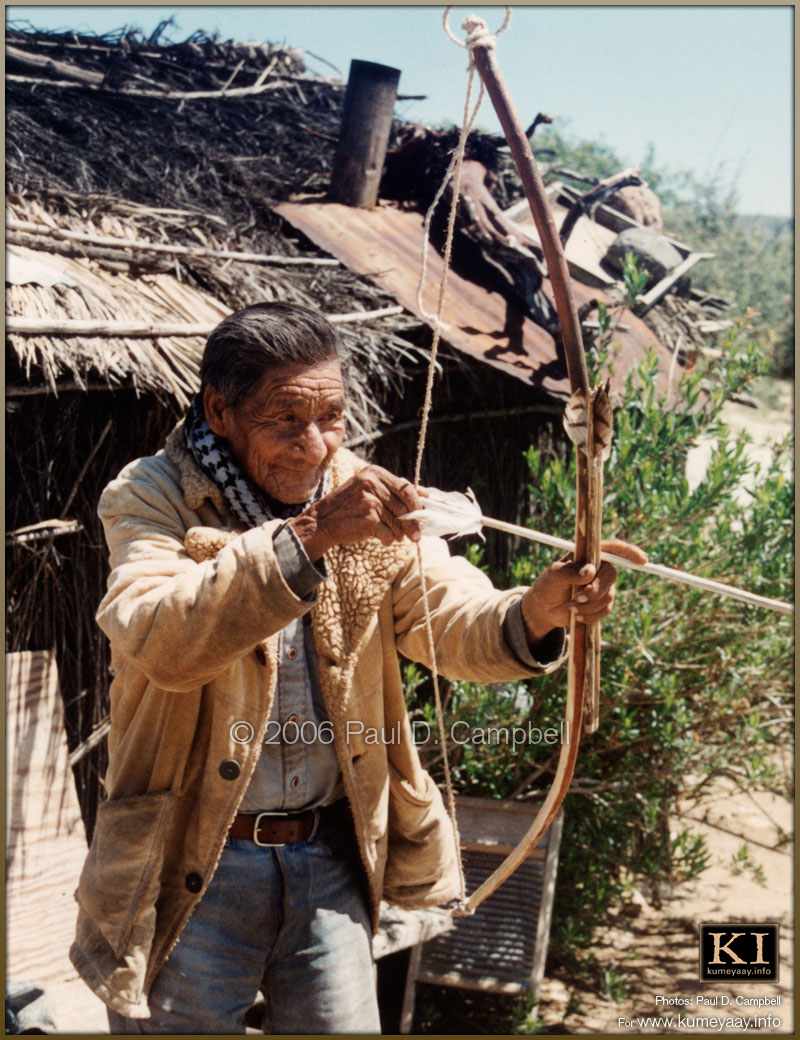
x=291 y=921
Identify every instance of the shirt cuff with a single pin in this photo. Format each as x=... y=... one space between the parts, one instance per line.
x=549 y=650
x=299 y=573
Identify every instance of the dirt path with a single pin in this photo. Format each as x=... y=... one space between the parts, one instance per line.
x=651 y=953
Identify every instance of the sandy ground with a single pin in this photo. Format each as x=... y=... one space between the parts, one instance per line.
x=653 y=951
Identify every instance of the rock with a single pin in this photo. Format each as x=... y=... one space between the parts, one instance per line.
x=633 y=905
x=653 y=252
x=640 y=203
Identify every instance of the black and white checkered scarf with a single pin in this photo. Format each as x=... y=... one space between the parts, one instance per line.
x=248 y=503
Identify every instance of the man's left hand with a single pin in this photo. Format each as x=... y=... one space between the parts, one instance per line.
x=549 y=602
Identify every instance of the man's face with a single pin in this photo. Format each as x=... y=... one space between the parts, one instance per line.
x=285 y=434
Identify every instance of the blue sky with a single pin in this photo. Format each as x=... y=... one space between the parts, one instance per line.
x=710 y=88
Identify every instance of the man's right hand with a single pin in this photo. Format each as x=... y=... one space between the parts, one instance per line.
x=369 y=505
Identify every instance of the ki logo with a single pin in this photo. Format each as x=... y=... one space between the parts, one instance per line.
x=742 y=951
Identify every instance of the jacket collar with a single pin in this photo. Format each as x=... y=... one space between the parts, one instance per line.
x=196 y=486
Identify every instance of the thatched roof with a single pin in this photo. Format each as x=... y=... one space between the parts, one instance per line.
x=94 y=154
x=81 y=288
x=97 y=115
x=191 y=146
x=104 y=319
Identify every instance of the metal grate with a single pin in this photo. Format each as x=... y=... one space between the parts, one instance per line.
x=501 y=948
x=494 y=948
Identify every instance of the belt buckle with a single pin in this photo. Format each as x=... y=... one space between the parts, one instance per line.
x=257 y=824
x=280 y=844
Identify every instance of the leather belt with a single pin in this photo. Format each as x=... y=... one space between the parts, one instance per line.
x=280 y=828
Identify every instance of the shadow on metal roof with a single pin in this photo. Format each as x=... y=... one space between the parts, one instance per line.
x=385 y=245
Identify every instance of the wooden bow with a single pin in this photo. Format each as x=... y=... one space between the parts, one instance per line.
x=588 y=421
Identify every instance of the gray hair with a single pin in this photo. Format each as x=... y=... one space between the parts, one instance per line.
x=246 y=344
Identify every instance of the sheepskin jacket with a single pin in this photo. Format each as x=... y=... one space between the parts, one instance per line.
x=193 y=612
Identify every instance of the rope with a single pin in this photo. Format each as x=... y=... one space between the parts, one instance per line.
x=454 y=171
x=437 y=698
x=477 y=35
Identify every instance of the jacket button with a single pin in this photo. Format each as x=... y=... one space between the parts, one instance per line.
x=194 y=882
x=261 y=654
x=229 y=769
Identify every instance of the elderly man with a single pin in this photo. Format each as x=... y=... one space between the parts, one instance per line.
x=264 y=790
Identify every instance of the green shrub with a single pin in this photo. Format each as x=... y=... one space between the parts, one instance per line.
x=694 y=686
x=634 y=279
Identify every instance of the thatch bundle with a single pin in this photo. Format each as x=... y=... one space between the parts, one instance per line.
x=98 y=116
x=87 y=290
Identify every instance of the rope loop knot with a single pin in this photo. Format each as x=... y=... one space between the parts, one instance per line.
x=477 y=31
x=478 y=34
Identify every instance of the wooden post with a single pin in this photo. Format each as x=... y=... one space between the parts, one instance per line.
x=364 y=136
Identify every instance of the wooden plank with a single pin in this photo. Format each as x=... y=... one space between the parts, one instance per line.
x=410 y=991
x=150 y=330
x=595 y=195
x=614 y=219
x=548 y=899
x=586 y=246
x=45 y=843
x=714 y=326
x=660 y=289
x=400 y=929
x=493 y=825
x=501 y=848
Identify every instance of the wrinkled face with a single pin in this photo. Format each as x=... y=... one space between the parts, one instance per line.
x=285 y=434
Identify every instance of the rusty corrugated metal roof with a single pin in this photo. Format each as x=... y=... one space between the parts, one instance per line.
x=385 y=245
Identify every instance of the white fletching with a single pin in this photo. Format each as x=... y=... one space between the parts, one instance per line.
x=448 y=514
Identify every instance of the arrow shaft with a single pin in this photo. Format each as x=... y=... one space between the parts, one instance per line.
x=656 y=569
